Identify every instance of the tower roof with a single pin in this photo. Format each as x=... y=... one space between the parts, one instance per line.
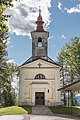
x=39 y=17
x=39 y=23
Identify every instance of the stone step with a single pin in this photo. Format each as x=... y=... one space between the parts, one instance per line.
x=41 y=110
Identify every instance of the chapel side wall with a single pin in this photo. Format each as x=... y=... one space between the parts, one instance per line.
x=28 y=92
x=57 y=84
x=22 y=86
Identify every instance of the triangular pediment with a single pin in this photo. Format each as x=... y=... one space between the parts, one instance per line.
x=40 y=63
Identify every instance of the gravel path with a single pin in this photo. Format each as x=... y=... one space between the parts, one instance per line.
x=37 y=117
x=12 y=117
x=40 y=117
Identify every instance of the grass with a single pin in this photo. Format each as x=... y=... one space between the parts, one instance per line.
x=15 y=110
x=74 y=110
x=27 y=108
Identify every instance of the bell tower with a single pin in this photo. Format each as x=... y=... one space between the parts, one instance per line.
x=39 y=39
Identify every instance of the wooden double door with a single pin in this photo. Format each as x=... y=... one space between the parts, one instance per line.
x=39 y=98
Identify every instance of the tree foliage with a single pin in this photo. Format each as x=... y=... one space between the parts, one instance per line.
x=7 y=70
x=69 y=59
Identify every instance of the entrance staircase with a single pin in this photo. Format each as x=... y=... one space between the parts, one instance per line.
x=41 y=110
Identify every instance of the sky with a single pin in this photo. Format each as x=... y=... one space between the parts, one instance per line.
x=62 y=21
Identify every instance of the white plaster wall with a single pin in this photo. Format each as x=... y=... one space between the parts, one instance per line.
x=22 y=85
x=57 y=84
x=27 y=91
x=31 y=73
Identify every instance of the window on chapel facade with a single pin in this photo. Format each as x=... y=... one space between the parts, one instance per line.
x=39 y=76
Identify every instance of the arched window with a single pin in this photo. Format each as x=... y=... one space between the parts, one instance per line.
x=39 y=42
x=39 y=76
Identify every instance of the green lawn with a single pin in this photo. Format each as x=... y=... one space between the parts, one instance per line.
x=28 y=109
x=15 y=110
x=75 y=110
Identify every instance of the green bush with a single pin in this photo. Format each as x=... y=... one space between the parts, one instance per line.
x=75 y=110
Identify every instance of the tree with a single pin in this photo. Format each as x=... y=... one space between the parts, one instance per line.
x=69 y=58
x=10 y=71
x=62 y=73
x=70 y=55
x=6 y=70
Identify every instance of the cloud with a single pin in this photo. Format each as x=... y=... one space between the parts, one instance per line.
x=63 y=36
x=24 y=14
x=78 y=94
x=15 y=81
x=50 y=37
x=11 y=61
x=75 y=9
x=9 y=41
x=59 y=6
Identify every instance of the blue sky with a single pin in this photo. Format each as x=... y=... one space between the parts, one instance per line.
x=62 y=21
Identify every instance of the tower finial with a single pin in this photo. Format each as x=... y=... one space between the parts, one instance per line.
x=39 y=22
x=39 y=10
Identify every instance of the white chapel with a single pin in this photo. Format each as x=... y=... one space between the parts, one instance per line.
x=39 y=75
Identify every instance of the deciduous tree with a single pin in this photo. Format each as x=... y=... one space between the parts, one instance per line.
x=6 y=69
